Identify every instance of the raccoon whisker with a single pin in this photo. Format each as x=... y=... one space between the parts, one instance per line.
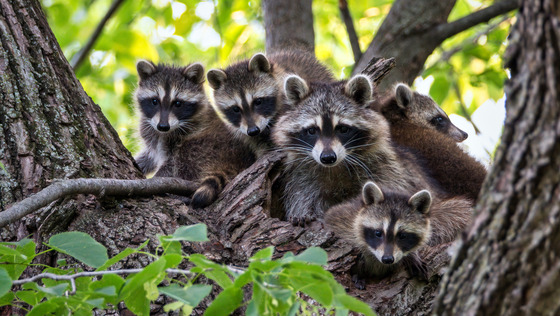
x=359 y=146
x=302 y=141
x=359 y=163
x=346 y=164
x=352 y=140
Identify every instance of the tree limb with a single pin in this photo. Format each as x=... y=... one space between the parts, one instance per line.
x=99 y=187
x=447 y=30
x=83 y=53
x=352 y=36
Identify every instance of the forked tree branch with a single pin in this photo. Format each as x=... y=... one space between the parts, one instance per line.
x=447 y=30
x=99 y=187
x=352 y=36
x=84 y=52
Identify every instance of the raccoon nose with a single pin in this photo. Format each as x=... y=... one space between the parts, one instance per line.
x=387 y=259
x=464 y=135
x=253 y=131
x=328 y=158
x=163 y=127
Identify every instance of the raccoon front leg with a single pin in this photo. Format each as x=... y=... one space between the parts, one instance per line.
x=146 y=161
x=302 y=203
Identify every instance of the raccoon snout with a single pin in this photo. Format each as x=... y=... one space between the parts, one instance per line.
x=163 y=127
x=253 y=131
x=328 y=158
x=387 y=259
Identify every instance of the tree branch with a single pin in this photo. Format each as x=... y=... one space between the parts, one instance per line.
x=447 y=30
x=84 y=52
x=99 y=187
x=352 y=36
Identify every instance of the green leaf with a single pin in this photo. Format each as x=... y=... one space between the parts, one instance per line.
x=195 y=232
x=226 y=302
x=172 y=306
x=440 y=88
x=25 y=249
x=11 y=252
x=314 y=255
x=294 y=309
x=80 y=246
x=353 y=304
x=151 y=290
x=220 y=277
x=45 y=308
x=5 y=282
x=320 y=291
x=121 y=255
x=31 y=297
x=7 y=299
x=263 y=254
x=192 y=295
x=56 y=290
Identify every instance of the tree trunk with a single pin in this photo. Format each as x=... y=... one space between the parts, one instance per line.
x=288 y=24
x=510 y=263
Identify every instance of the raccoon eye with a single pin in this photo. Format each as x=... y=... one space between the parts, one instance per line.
x=155 y=101
x=343 y=129
x=235 y=109
x=378 y=233
x=438 y=120
x=177 y=103
x=311 y=131
x=258 y=101
x=401 y=235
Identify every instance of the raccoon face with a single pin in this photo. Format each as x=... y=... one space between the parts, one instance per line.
x=424 y=111
x=246 y=94
x=328 y=123
x=169 y=97
x=393 y=225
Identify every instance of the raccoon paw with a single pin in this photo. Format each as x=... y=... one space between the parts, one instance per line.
x=202 y=198
x=301 y=221
x=360 y=283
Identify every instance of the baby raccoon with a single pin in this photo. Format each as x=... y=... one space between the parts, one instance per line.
x=248 y=94
x=418 y=109
x=335 y=142
x=169 y=100
x=387 y=227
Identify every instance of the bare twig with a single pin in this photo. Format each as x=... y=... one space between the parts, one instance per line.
x=464 y=107
x=100 y=187
x=446 y=55
x=352 y=36
x=84 y=52
x=447 y=30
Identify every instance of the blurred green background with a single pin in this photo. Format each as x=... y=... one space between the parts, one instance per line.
x=461 y=75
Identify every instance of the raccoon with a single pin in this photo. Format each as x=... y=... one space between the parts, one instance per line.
x=248 y=94
x=169 y=102
x=418 y=109
x=456 y=172
x=389 y=227
x=209 y=156
x=335 y=142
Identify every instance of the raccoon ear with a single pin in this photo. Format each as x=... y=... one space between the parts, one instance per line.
x=194 y=73
x=216 y=78
x=421 y=201
x=295 y=89
x=371 y=193
x=145 y=68
x=403 y=95
x=359 y=89
x=259 y=62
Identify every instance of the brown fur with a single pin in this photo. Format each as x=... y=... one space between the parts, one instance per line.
x=442 y=223
x=405 y=105
x=209 y=156
x=309 y=187
x=457 y=172
x=260 y=77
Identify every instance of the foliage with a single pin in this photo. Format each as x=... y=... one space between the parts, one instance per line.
x=221 y=31
x=277 y=285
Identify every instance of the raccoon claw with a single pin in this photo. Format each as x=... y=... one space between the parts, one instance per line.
x=301 y=221
x=360 y=283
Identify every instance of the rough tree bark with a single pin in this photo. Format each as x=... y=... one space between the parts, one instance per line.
x=282 y=18
x=510 y=263
x=413 y=29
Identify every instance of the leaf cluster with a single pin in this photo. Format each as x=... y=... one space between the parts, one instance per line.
x=280 y=287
